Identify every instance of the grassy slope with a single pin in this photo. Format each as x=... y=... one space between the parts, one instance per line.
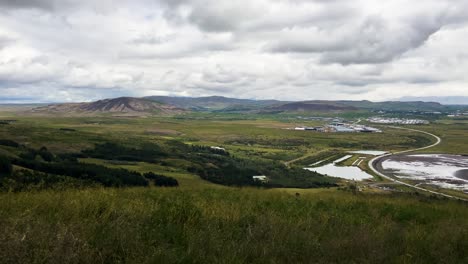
x=229 y=226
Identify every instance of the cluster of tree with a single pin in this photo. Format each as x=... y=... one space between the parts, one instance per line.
x=149 y=152
x=240 y=172
x=418 y=141
x=225 y=172
x=7 y=122
x=106 y=176
x=113 y=151
x=27 y=180
x=67 y=129
x=285 y=143
x=9 y=143
x=5 y=166
x=161 y=180
x=32 y=154
x=300 y=178
x=341 y=144
x=205 y=149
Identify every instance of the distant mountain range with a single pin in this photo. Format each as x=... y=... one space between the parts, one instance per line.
x=166 y=105
x=211 y=103
x=225 y=104
x=312 y=106
x=446 y=100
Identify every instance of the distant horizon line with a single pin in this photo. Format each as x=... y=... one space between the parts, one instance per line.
x=425 y=99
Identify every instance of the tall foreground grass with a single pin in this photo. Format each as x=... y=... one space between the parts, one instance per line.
x=224 y=225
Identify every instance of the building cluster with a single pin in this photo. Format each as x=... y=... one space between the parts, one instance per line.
x=260 y=178
x=458 y=114
x=400 y=121
x=342 y=128
x=218 y=148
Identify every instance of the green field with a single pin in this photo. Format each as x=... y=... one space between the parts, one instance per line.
x=261 y=136
x=72 y=218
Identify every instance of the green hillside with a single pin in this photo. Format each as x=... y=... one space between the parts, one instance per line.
x=224 y=225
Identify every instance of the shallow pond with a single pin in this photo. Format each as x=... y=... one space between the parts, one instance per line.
x=349 y=173
x=445 y=171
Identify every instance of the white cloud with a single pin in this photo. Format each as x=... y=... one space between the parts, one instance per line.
x=69 y=50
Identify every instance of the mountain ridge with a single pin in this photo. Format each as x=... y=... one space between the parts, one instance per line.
x=445 y=100
x=212 y=102
x=123 y=105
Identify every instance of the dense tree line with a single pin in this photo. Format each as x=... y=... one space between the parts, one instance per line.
x=239 y=172
x=9 y=143
x=283 y=142
x=5 y=166
x=48 y=168
x=32 y=154
x=418 y=141
x=113 y=151
x=100 y=174
x=26 y=180
x=161 y=180
x=149 y=152
x=67 y=129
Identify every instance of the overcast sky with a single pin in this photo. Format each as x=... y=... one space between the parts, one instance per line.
x=82 y=50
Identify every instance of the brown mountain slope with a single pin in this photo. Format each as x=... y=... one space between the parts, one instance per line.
x=122 y=105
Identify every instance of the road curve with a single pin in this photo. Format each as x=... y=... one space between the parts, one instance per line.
x=374 y=160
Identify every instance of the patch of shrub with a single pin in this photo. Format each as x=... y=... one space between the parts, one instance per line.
x=9 y=143
x=161 y=180
x=5 y=166
x=67 y=129
x=25 y=180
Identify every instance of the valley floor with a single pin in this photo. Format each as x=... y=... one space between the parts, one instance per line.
x=201 y=221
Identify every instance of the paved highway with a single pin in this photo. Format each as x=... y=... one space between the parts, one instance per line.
x=374 y=161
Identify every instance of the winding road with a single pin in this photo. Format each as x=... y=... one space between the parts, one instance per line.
x=376 y=159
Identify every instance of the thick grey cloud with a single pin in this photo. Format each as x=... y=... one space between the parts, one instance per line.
x=285 y=49
x=44 y=4
x=374 y=40
x=245 y=16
